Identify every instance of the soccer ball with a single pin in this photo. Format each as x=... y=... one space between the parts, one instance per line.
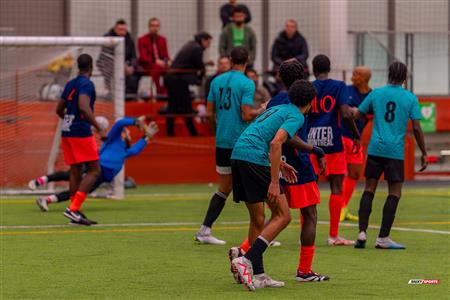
x=51 y=92
x=102 y=122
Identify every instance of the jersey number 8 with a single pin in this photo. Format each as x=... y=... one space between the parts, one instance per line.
x=389 y=116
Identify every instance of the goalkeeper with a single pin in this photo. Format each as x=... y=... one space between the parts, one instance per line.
x=113 y=153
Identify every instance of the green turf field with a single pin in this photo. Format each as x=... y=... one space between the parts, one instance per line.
x=146 y=250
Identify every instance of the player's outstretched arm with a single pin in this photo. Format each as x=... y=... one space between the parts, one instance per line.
x=420 y=139
x=249 y=112
x=116 y=130
x=60 y=108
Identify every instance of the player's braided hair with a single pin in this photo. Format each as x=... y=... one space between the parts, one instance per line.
x=321 y=64
x=302 y=93
x=290 y=71
x=398 y=72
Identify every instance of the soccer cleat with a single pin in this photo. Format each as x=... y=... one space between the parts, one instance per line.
x=274 y=244
x=33 y=184
x=361 y=241
x=233 y=253
x=245 y=271
x=339 y=241
x=387 y=243
x=311 y=276
x=208 y=239
x=78 y=217
x=42 y=203
x=264 y=281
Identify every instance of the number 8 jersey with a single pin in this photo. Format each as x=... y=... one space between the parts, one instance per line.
x=74 y=124
x=392 y=107
x=229 y=92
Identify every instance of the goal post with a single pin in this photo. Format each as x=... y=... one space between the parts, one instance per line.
x=33 y=72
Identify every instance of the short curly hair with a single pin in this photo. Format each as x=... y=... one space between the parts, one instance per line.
x=321 y=64
x=290 y=71
x=302 y=93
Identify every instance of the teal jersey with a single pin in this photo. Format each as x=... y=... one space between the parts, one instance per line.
x=254 y=143
x=229 y=92
x=392 y=107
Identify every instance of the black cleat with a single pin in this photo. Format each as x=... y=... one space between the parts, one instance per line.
x=78 y=218
x=360 y=244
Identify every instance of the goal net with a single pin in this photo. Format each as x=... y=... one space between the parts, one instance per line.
x=33 y=72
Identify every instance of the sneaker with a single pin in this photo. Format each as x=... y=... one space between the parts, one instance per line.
x=78 y=217
x=274 y=244
x=311 y=276
x=42 y=203
x=208 y=239
x=339 y=241
x=245 y=271
x=264 y=281
x=233 y=253
x=387 y=243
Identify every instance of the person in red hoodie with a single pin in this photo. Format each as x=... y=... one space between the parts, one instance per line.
x=153 y=54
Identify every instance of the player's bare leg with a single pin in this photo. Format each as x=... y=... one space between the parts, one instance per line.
x=365 y=208
x=389 y=210
x=216 y=205
x=348 y=187
x=335 y=207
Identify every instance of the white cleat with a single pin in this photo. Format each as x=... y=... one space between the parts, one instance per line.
x=32 y=185
x=245 y=271
x=208 y=239
x=42 y=203
x=233 y=253
x=274 y=244
x=339 y=241
x=264 y=281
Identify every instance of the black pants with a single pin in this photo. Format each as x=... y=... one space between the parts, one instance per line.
x=179 y=102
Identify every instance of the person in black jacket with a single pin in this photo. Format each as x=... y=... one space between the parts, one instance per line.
x=290 y=44
x=226 y=12
x=187 y=68
x=105 y=61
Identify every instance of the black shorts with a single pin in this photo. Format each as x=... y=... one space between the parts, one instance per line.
x=250 y=181
x=223 y=161
x=393 y=169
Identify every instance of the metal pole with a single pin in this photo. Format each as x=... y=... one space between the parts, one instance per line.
x=409 y=59
x=265 y=34
x=200 y=15
x=391 y=27
x=134 y=22
x=448 y=54
x=66 y=14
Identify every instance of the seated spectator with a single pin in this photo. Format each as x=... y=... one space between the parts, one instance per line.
x=237 y=34
x=223 y=65
x=226 y=12
x=261 y=93
x=290 y=44
x=153 y=54
x=105 y=61
x=187 y=68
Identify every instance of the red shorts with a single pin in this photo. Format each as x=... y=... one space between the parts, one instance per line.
x=352 y=158
x=335 y=164
x=79 y=149
x=303 y=195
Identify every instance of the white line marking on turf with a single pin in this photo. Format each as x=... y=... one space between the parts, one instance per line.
x=222 y=223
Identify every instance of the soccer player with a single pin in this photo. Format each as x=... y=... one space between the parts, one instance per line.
x=392 y=107
x=113 y=153
x=231 y=95
x=356 y=93
x=324 y=131
x=256 y=164
x=76 y=108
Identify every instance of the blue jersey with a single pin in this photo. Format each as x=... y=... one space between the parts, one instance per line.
x=299 y=160
x=229 y=92
x=323 y=118
x=354 y=99
x=114 y=150
x=253 y=144
x=392 y=108
x=74 y=123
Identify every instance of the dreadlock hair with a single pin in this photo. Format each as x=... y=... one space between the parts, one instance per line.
x=302 y=93
x=398 y=72
x=321 y=64
x=290 y=71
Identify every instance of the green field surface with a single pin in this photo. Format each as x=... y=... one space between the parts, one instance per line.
x=144 y=249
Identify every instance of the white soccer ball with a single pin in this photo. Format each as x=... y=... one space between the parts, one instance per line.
x=102 y=122
x=51 y=92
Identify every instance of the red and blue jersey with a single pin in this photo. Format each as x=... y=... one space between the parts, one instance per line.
x=354 y=99
x=299 y=160
x=324 y=119
x=75 y=124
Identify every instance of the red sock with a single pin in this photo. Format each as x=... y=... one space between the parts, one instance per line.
x=348 y=187
x=335 y=206
x=306 y=259
x=245 y=246
x=77 y=201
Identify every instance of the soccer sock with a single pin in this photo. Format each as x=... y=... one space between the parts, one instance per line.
x=62 y=196
x=306 y=258
x=42 y=180
x=255 y=254
x=52 y=198
x=216 y=205
x=335 y=206
x=77 y=201
x=389 y=209
x=348 y=187
x=245 y=246
x=365 y=208
x=58 y=176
